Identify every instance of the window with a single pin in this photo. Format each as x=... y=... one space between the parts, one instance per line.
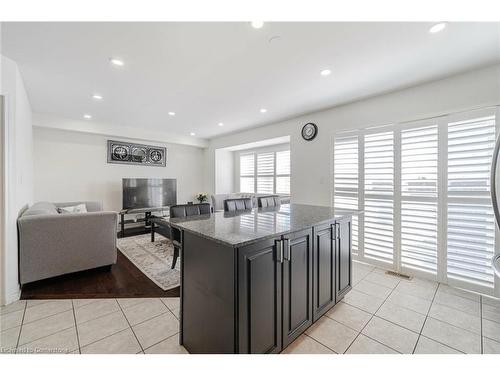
x=471 y=225
x=425 y=192
x=379 y=201
x=346 y=189
x=419 y=190
x=247 y=171
x=283 y=172
x=265 y=173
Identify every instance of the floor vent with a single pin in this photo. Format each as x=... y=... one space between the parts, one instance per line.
x=397 y=274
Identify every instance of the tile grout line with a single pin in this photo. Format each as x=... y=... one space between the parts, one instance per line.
x=105 y=337
x=21 y=327
x=379 y=317
x=312 y=338
x=425 y=320
x=159 y=342
x=76 y=328
x=43 y=337
x=439 y=342
x=76 y=325
x=130 y=326
x=451 y=324
x=48 y=316
x=359 y=333
x=417 y=312
x=339 y=322
x=168 y=308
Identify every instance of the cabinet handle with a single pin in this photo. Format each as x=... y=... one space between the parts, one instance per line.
x=279 y=250
x=335 y=231
x=286 y=244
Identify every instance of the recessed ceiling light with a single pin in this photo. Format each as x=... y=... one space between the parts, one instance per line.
x=116 y=62
x=437 y=27
x=220 y=124
x=97 y=97
x=257 y=24
x=192 y=134
x=87 y=117
x=325 y=72
x=171 y=113
x=263 y=110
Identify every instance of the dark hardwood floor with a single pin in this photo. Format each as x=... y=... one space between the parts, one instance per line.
x=124 y=279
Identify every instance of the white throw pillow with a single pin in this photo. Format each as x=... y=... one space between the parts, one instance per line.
x=78 y=209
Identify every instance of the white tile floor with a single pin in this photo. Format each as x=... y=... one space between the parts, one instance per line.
x=126 y=325
x=382 y=314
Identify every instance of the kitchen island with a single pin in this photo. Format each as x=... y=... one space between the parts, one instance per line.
x=253 y=281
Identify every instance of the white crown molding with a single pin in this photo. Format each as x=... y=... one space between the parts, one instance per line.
x=45 y=120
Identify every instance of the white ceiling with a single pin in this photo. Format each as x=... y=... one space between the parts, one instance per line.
x=225 y=72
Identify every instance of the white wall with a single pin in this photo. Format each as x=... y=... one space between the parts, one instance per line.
x=71 y=166
x=311 y=162
x=18 y=143
x=224 y=171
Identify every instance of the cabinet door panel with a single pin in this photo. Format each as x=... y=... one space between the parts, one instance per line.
x=297 y=285
x=344 y=264
x=259 y=298
x=324 y=269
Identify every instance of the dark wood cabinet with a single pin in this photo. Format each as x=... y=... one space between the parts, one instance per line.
x=344 y=263
x=332 y=264
x=259 y=289
x=258 y=298
x=275 y=292
x=325 y=265
x=297 y=284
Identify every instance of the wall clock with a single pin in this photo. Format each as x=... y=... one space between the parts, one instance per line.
x=309 y=131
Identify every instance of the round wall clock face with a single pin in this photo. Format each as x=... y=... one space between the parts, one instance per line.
x=309 y=131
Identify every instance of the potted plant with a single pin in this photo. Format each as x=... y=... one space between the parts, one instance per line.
x=202 y=197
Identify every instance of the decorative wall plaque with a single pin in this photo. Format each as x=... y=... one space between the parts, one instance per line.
x=133 y=153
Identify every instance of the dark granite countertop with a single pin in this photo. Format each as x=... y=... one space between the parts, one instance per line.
x=243 y=228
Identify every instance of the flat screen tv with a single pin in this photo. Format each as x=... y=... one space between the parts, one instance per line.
x=149 y=192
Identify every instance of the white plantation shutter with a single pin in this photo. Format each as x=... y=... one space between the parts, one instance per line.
x=265 y=173
x=379 y=196
x=247 y=171
x=346 y=185
x=424 y=189
x=419 y=190
x=283 y=162
x=471 y=225
x=283 y=172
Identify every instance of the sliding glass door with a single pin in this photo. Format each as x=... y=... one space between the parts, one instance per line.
x=425 y=192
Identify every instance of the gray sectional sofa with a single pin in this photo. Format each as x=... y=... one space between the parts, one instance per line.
x=53 y=243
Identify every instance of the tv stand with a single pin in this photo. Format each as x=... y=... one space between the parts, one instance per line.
x=147 y=216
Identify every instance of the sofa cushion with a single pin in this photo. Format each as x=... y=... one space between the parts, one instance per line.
x=41 y=208
x=79 y=208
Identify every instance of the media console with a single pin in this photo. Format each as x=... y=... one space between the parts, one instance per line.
x=146 y=220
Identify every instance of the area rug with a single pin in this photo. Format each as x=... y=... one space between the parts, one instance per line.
x=154 y=259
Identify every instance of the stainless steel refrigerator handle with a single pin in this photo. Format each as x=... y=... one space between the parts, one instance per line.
x=496 y=264
x=493 y=175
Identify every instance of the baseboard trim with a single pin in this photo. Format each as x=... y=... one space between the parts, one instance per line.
x=12 y=297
